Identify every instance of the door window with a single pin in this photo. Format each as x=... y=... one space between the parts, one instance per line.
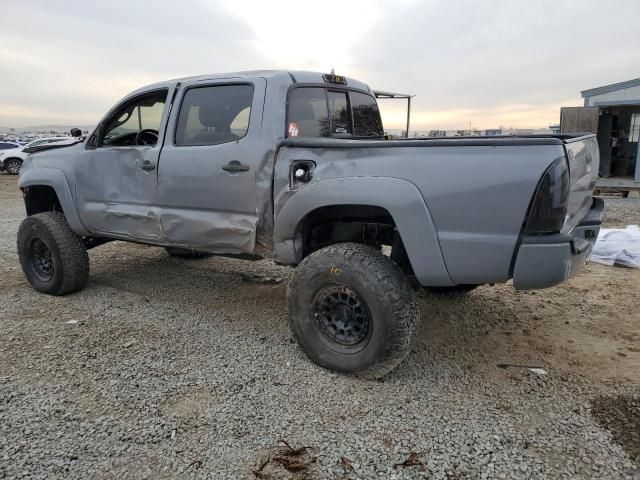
x=142 y=114
x=214 y=114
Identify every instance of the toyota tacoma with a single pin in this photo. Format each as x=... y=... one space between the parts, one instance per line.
x=295 y=167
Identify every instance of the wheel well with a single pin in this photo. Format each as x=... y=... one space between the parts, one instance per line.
x=366 y=224
x=13 y=158
x=40 y=198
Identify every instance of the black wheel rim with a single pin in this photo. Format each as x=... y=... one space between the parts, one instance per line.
x=41 y=260
x=342 y=317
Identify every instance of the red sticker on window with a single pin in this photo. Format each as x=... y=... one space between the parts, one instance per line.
x=293 y=129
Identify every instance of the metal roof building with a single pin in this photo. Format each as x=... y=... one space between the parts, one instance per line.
x=623 y=93
x=613 y=113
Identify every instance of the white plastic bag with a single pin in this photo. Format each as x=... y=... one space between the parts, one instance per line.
x=618 y=246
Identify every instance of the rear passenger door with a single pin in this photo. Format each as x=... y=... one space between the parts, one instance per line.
x=207 y=191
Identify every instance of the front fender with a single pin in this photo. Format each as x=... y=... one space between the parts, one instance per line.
x=54 y=178
x=400 y=198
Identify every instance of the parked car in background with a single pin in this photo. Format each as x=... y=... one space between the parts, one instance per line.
x=8 y=145
x=11 y=158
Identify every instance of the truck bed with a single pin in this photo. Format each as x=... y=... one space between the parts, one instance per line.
x=476 y=190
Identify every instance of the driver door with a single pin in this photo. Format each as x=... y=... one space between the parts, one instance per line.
x=117 y=172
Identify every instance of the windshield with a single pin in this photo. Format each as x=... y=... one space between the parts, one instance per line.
x=41 y=141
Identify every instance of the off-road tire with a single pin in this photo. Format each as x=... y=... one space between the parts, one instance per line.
x=12 y=166
x=382 y=287
x=452 y=290
x=68 y=253
x=184 y=253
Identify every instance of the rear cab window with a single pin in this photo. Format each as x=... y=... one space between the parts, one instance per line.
x=331 y=112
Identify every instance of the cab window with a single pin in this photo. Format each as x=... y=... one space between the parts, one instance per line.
x=340 y=115
x=135 y=123
x=308 y=114
x=214 y=114
x=322 y=112
x=366 y=115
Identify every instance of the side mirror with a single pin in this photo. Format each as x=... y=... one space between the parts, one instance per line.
x=76 y=132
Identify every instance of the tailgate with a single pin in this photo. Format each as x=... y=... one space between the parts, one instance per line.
x=584 y=160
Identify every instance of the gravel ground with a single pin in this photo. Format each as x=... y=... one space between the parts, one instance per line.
x=621 y=212
x=166 y=368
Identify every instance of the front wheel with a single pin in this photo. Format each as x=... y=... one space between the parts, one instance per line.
x=12 y=166
x=54 y=259
x=352 y=309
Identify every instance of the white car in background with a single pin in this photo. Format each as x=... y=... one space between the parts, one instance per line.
x=11 y=159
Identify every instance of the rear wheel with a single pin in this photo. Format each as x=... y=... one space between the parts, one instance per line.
x=185 y=253
x=352 y=309
x=12 y=166
x=54 y=259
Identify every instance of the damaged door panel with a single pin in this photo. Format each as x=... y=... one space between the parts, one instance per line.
x=207 y=189
x=116 y=178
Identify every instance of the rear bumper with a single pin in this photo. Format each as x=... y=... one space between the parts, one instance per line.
x=547 y=260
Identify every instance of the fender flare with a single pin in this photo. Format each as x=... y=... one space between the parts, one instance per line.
x=400 y=198
x=56 y=179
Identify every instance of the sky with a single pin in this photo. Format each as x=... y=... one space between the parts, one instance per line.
x=486 y=63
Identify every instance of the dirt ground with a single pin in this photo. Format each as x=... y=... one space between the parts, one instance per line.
x=585 y=333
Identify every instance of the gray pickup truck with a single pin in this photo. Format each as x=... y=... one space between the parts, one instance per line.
x=294 y=166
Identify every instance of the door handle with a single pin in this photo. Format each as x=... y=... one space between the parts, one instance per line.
x=235 y=166
x=148 y=166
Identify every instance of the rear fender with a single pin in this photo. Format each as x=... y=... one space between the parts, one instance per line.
x=55 y=179
x=400 y=198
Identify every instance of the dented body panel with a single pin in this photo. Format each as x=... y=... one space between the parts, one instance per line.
x=56 y=179
x=458 y=205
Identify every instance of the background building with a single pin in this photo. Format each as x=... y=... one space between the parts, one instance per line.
x=613 y=113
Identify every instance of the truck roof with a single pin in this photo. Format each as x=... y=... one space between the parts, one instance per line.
x=295 y=76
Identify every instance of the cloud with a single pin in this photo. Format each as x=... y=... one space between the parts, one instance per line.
x=493 y=62
x=73 y=61
x=477 y=56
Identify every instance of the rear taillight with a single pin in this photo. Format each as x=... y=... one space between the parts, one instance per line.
x=549 y=204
